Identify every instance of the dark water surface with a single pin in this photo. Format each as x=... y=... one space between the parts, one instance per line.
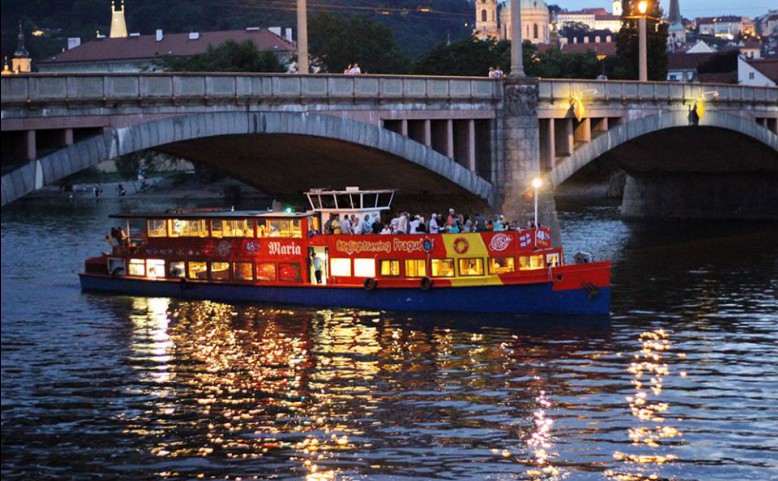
x=680 y=383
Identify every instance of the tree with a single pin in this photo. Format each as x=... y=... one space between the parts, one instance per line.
x=337 y=42
x=627 y=43
x=554 y=63
x=229 y=56
x=573 y=29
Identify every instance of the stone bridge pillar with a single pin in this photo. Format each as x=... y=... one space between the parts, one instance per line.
x=521 y=158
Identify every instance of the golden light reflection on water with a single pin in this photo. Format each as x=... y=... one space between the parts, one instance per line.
x=649 y=369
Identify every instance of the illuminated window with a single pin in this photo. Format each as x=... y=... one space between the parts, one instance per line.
x=289 y=272
x=552 y=259
x=187 y=228
x=197 y=270
x=232 y=228
x=390 y=268
x=137 y=267
x=501 y=265
x=176 y=269
x=415 y=268
x=442 y=267
x=155 y=268
x=364 y=268
x=281 y=228
x=266 y=271
x=340 y=267
x=157 y=228
x=220 y=271
x=243 y=271
x=530 y=262
x=473 y=266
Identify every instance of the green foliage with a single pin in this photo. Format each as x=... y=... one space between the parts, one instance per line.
x=574 y=28
x=230 y=56
x=627 y=44
x=553 y=63
x=337 y=42
x=720 y=62
x=470 y=56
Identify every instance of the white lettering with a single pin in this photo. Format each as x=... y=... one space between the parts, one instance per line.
x=278 y=249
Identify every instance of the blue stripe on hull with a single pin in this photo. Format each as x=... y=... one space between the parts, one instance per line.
x=508 y=299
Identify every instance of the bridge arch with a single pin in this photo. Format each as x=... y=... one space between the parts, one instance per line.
x=180 y=130
x=663 y=120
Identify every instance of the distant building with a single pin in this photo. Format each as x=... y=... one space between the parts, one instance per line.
x=757 y=73
x=118 y=25
x=726 y=26
x=594 y=18
x=137 y=53
x=21 y=62
x=676 y=32
x=493 y=20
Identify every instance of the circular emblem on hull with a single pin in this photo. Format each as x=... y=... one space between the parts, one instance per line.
x=461 y=245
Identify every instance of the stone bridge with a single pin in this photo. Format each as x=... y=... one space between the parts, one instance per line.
x=461 y=139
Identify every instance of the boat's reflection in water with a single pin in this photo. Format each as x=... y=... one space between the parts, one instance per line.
x=259 y=391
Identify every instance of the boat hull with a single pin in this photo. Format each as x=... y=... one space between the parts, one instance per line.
x=534 y=298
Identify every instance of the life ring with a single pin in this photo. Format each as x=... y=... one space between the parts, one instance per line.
x=425 y=284
x=370 y=284
x=461 y=245
x=118 y=272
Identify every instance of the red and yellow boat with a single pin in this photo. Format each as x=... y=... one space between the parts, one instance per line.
x=271 y=257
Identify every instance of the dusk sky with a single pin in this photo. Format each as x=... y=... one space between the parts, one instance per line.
x=689 y=8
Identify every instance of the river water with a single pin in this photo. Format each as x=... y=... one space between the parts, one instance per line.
x=681 y=382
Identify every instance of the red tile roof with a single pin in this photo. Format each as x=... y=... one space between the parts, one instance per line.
x=686 y=61
x=767 y=66
x=176 y=44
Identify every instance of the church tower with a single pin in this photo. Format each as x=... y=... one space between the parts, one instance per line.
x=118 y=25
x=21 y=63
x=676 y=33
x=617 y=8
x=486 y=20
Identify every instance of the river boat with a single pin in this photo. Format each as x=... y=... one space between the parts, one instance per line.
x=272 y=257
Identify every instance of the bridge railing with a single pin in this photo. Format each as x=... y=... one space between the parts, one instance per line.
x=605 y=91
x=163 y=87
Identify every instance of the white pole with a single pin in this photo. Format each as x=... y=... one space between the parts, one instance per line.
x=302 y=37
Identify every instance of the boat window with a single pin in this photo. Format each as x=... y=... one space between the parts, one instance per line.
x=157 y=228
x=531 y=262
x=501 y=265
x=137 y=267
x=280 y=228
x=289 y=272
x=340 y=267
x=187 y=228
x=364 y=267
x=369 y=200
x=385 y=199
x=390 y=267
x=232 y=228
x=175 y=269
x=220 y=271
x=243 y=271
x=442 y=267
x=155 y=268
x=471 y=266
x=552 y=259
x=415 y=267
x=197 y=270
x=266 y=271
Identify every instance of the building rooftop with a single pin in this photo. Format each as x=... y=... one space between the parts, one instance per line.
x=767 y=67
x=176 y=44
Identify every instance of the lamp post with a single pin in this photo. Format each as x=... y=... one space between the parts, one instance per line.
x=536 y=184
x=302 y=37
x=642 y=49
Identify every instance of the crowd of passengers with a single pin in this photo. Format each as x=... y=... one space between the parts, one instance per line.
x=404 y=223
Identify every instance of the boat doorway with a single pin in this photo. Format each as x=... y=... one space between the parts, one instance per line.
x=318 y=257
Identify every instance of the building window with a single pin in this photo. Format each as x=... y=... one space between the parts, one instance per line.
x=535 y=31
x=483 y=15
x=751 y=75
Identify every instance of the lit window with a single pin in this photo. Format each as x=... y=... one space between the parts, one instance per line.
x=501 y=265
x=137 y=267
x=364 y=268
x=232 y=228
x=155 y=268
x=176 y=269
x=197 y=270
x=289 y=272
x=243 y=271
x=157 y=228
x=266 y=271
x=340 y=267
x=473 y=266
x=281 y=228
x=415 y=268
x=552 y=259
x=187 y=228
x=530 y=262
x=220 y=271
x=442 y=267
x=390 y=268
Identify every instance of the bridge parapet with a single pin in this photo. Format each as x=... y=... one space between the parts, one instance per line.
x=47 y=89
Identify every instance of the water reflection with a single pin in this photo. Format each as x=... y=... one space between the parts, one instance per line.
x=654 y=434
